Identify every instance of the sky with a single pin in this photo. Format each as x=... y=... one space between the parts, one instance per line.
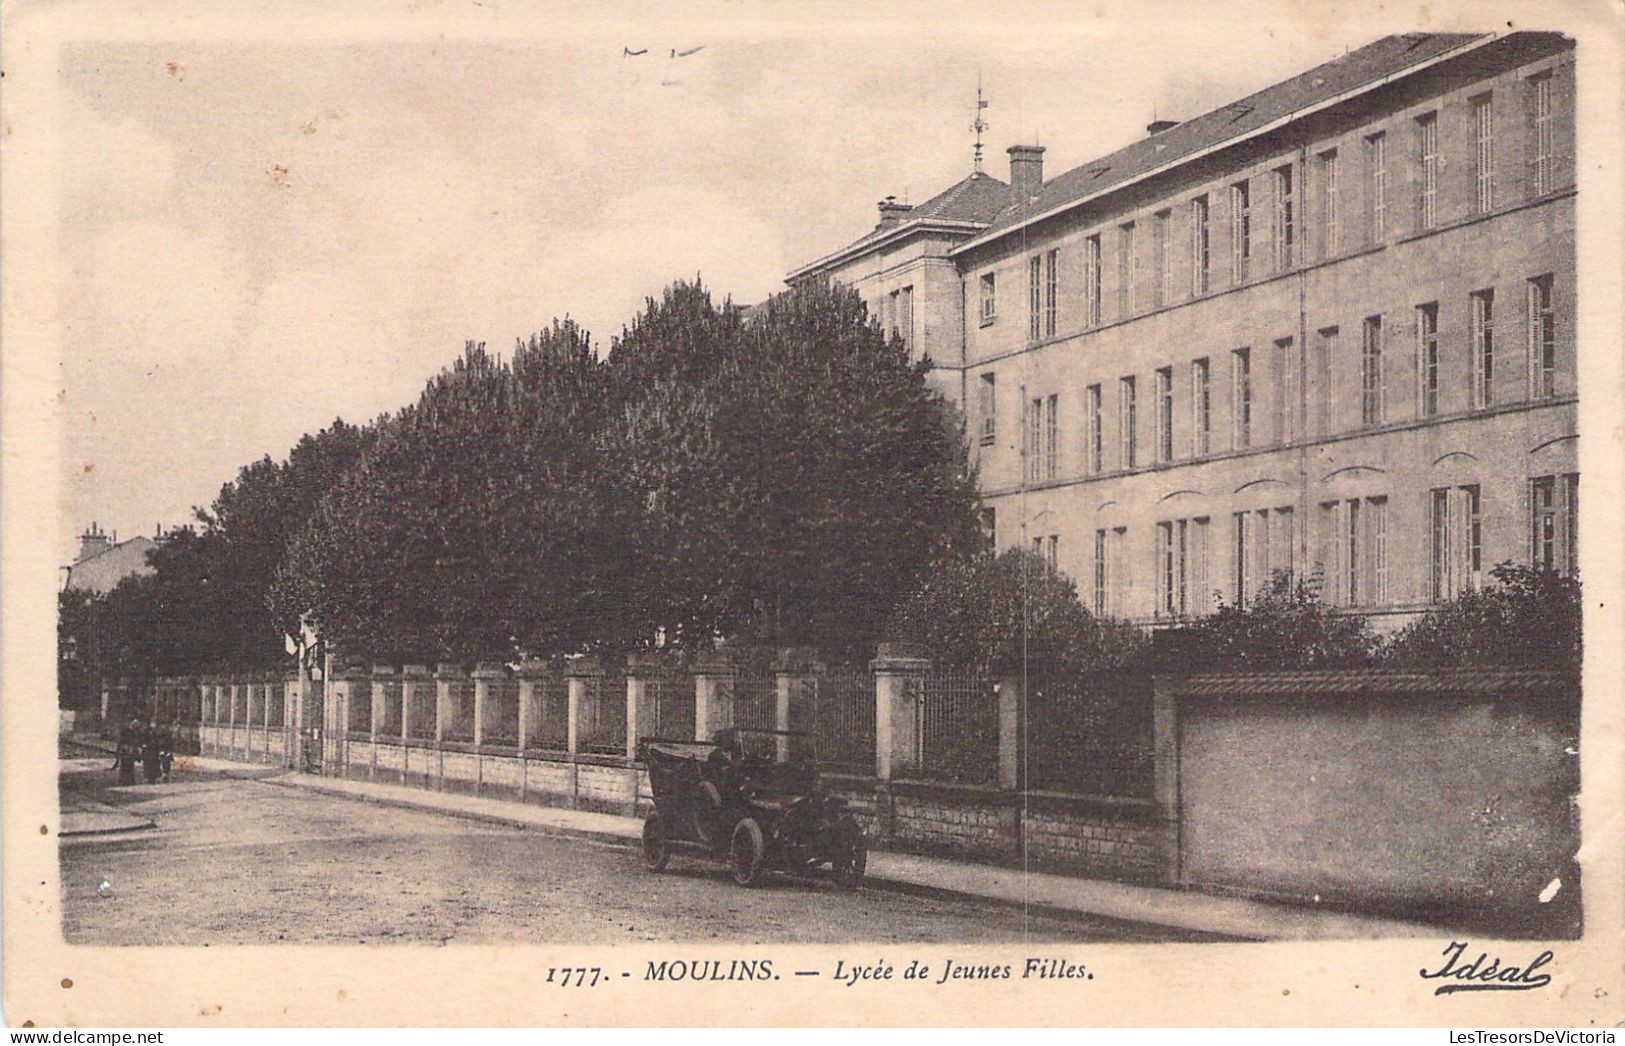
x=260 y=232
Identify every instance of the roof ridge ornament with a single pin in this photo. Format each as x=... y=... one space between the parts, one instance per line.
x=978 y=125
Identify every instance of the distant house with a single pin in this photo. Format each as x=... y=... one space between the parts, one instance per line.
x=104 y=561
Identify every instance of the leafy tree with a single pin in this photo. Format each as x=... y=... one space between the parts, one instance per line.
x=467 y=528
x=789 y=474
x=1284 y=626
x=997 y=612
x=1528 y=618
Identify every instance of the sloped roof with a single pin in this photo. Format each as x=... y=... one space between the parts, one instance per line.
x=1368 y=64
x=101 y=572
x=974 y=199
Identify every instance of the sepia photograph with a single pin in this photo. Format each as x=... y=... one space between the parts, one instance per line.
x=787 y=501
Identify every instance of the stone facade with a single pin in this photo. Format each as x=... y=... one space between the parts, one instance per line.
x=1340 y=344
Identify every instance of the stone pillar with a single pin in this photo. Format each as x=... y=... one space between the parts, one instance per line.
x=529 y=704
x=1011 y=743
x=713 y=695
x=794 y=672
x=899 y=674
x=579 y=671
x=381 y=675
x=445 y=712
x=487 y=675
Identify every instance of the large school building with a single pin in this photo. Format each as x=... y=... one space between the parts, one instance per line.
x=1328 y=329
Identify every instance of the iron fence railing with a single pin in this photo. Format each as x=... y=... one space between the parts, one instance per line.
x=420 y=697
x=669 y=706
x=548 y=727
x=755 y=701
x=601 y=716
x=389 y=716
x=957 y=727
x=501 y=725
x=842 y=719
x=459 y=724
x=1089 y=734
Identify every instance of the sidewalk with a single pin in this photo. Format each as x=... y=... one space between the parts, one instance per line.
x=1201 y=913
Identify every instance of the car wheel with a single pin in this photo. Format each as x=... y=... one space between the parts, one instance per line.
x=746 y=853
x=708 y=815
x=850 y=866
x=656 y=847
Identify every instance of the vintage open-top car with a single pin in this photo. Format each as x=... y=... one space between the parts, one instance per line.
x=751 y=797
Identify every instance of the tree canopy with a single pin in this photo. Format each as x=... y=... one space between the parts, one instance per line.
x=776 y=478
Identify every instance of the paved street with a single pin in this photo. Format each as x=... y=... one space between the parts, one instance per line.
x=233 y=858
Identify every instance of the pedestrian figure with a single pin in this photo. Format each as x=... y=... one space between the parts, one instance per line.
x=129 y=748
x=151 y=748
x=166 y=749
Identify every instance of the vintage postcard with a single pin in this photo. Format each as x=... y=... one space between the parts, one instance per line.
x=732 y=513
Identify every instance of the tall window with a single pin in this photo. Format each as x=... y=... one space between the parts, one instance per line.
x=1035 y=297
x=1554 y=517
x=1262 y=545
x=990 y=298
x=1241 y=230
x=1331 y=204
x=1182 y=567
x=1325 y=355
x=987 y=404
x=1163 y=287
x=1241 y=398
x=1110 y=572
x=1456 y=537
x=1427 y=133
x=1042 y=437
x=1371 y=377
x=1376 y=154
x=1098 y=603
x=1125 y=421
x=905 y=316
x=1427 y=359
x=1165 y=414
x=1034 y=443
x=1484 y=138
x=1051 y=436
x=1200 y=257
x=1091 y=280
x=1096 y=432
x=1128 y=271
x=1201 y=408
x=1353 y=552
x=1483 y=348
x=1285 y=366
x=1052 y=261
x=1285 y=231
x=1541 y=99
x=1542 y=339
x=1047 y=549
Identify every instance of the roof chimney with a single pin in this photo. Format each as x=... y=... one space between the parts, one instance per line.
x=892 y=212
x=1026 y=171
x=92 y=543
x=1158 y=126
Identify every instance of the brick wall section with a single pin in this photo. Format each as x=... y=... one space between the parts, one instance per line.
x=1099 y=838
x=1103 y=838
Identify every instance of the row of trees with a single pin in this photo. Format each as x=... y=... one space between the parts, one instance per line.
x=777 y=477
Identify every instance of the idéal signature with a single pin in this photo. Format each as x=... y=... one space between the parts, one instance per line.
x=1486 y=973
